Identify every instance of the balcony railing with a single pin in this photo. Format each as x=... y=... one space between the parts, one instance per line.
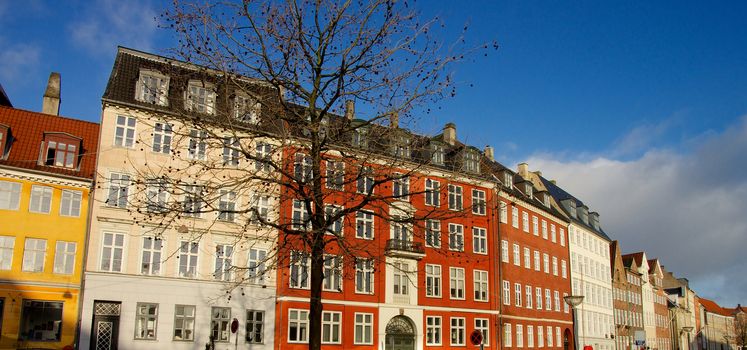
x=405 y=248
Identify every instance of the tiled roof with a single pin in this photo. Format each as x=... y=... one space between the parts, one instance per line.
x=27 y=130
x=712 y=307
x=638 y=257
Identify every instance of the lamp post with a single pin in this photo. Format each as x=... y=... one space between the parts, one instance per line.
x=573 y=301
x=688 y=329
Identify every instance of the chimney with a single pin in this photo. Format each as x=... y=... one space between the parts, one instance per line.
x=450 y=133
x=350 y=109
x=394 y=120
x=51 y=101
x=489 y=153
x=524 y=170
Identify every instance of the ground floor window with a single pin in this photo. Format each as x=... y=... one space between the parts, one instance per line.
x=220 y=320
x=41 y=320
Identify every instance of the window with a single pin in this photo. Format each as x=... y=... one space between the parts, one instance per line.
x=70 y=203
x=482 y=325
x=400 y=280
x=365 y=180
x=538 y=294
x=231 y=149
x=41 y=199
x=223 y=262
x=553 y=233
x=124 y=132
x=227 y=206
x=184 y=322
x=433 y=330
x=298 y=326
x=401 y=187
x=301 y=217
x=562 y=237
x=331 y=325
x=527 y=258
x=504 y=251
x=548 y=300
x=220 y=320
x=456 y=237
x=34 y=251
x=544 y=229
x=519 y=336
x=302 y=168
x=61 y=151
x=360 y=137
x=507 y=334
x=432 y=193
x=517 y=294
x=300 y=264
x=188 y=252
x=525 y=221
x=197 y=146
x=479 y=240
x=264 y=157
x=546 y=262
x=481 y=285
x=471 y=162
x=335 y=174
x=246 y=109
x=478 y=202
x=433 y=233
x=364 y=224
x=456 y=282
x=458 y=331
x=535 y=226
x=200 y=97
x=515 y=217
x=530 y=336
x=400 y=231
x=10 y=195
x=162 y=133
x=517 y=255
x=152 y=88
x=157 y=195
x=256 y=265
x=363 y=329
x=151 y=261
x=540 y=336
x=437 y=154
x=554 y=265
x=536 y=260
x=332 y=273
x=401 y=147
x=528 y=290
x=558 y=341
x=455 y=197
x=64 y=257
x=549 y=336
x=260 y=209
x=146 y=319
x=111 y=252
x=7 y=243
x=433 y=280
x=504 y=212
x=335 y=227
x=506 y=293
x=118 y=189
x=38 y=315
x=556 y=298
x=192 y=201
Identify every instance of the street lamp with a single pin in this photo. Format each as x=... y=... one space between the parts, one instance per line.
x=688 y=329
x=573 y=301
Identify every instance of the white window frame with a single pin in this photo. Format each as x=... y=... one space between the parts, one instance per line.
x=223 y=265
x=506 y=293
x=113 y=248
x=64 y=257
x=332 y=273
x=537 y=261
x=364 y=224
x=128 y=127
x=504 y=251
x=119 y=189
x=256 y=265
x=335 y=170
x=363 y=328
x=458 y=331
x=507 y=335
x=517 y=254
x=34 y=254
x=538 y=299
x=480 y=281
x=150 y=254
x=7 y=245
x=432 y=193
x=479 y=203
x=432 y=233
x=529 y=296
x=331 y=327
x=548 y=300
x=525 y=221
x=517 y=294
x=187 y=322
x=457 y=283
x=364 y=273
x=255 y=325
x=70 y=203
x=144 y=319
x=196 y=146
x=456 y=237
x=40 y=201
x=519 y=336
x=456 y=197
x=479 y=240
x=540 y=336
x=187 y=251
x=483 y=325
x=156 y=92
x=515 y=217
x=530 y=336
x=433 y=280
x=162 y=134
x=299 y=271
x=527 y=258
x=433 y=330
x=200 y=97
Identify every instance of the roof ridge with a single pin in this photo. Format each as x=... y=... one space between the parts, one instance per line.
x=48 y=115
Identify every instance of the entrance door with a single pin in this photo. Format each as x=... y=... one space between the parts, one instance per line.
x=400 y=334
x=105 y=325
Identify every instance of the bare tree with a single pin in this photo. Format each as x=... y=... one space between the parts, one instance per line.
x=740 y=328
x=278 y=86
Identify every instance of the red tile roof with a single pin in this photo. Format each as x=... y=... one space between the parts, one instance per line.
x=712 y=307
x=28 y=128
x=638 y=257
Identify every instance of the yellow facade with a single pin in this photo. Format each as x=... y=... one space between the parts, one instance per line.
x=43 y=291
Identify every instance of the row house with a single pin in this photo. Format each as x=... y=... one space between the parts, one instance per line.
x=46 y=172
x=647 y=292
x=534 y=259
x=662 y=339
x=626 y=284
x=590 y=270
x=717 y=327
x=684 y=312
x=416 y=270
x=177 y=249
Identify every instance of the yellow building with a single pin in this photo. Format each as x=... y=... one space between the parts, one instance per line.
x=46 y=172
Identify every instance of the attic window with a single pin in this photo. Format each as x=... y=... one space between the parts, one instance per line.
x=401 y=146
x=152 y=87
x=246 y=109
x=437 y=154
x=508 y=179
x=360 y=137
x=528 y=189
x=3 y=137
x=546 y=200
x=60 y=150
x=200 y=97
x=471 y=161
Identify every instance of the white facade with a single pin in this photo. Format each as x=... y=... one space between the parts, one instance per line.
x=591 y=277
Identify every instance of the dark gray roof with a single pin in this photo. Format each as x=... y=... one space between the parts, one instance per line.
x=560 y=195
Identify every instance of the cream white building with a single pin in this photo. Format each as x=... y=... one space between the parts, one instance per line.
x=172 y=257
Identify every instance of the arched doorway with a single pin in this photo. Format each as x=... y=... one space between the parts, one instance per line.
x=567 y=340
x=400 y=334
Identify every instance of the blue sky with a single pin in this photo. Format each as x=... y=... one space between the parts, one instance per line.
x=646 y=93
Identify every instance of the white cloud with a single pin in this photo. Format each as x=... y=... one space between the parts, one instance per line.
x=109 y=23
x=688 y=209
x=17 y=60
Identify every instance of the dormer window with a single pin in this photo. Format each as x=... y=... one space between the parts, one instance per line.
x=246 y=109
x=4 y=132
x=471 y=161
x=360 y=137
x=546 y=199
x=437 y=154
x=508 y=179
x=200 y=97
x=401 y=146
x=528 y=189
x=152 y=87
x=60 y=150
